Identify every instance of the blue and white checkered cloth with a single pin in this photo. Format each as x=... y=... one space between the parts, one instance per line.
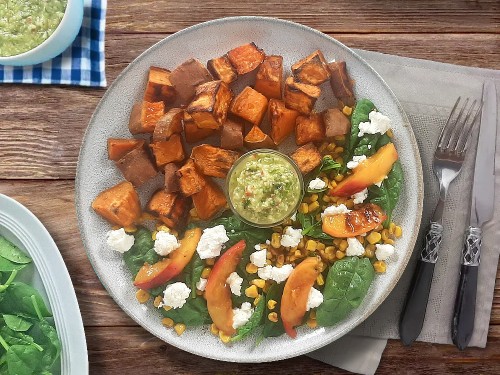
x=80 y=64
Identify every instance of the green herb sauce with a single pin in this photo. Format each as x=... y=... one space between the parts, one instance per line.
x=25 y=24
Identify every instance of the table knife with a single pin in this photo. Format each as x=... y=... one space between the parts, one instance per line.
x=481 y=211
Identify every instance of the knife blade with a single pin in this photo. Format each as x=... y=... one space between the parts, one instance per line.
x=483 y=195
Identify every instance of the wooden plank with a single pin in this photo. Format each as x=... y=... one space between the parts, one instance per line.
x=126 y=350
x=42 y=140
x=347 y=16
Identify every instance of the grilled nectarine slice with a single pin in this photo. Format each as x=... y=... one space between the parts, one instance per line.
x=354 y=223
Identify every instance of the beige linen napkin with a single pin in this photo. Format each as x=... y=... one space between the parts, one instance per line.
x=427 y=90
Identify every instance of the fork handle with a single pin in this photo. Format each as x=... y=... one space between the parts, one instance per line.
x=413 y=314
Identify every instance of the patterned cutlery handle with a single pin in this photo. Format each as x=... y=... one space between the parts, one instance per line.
x=465 y=302
x=413 y=315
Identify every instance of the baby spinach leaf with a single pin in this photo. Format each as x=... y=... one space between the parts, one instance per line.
x=346 y=285
x=141 y=252
x=16 y=323
x=254 y=321
x=8 y=266
x=367 y=145
x=11 y=252
x=193 y=313
x=46 y=336
x=387 y=195
x=312 y=227
x=327 y=165
x=192 y=273
x=382 y=141
x=23 y=360
x=18 y=338
x=17 y=299
x=274 y=329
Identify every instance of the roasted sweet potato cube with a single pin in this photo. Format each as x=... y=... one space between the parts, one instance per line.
x=250 y=105
x=309 y=129
x=186 y=77
x=136 y=166
x=169 y=151
x=256 y=138
x=210 y=105
x=118 y=147
x=120 y=205
x=336 y=123
x=282 y=120
x=172 y=184
x=190 y=179
x=269 y=81
x=159 y=87
x=144 y=116
x=312 y=70
x=231 y=137
x=209 y=201
x=246 y=58
x=168 y=124
x=171 y=208
x=222 y=69
x=192 y=132
x=300 y=96
x=341 y=83
x=213 y=161
x=306 y=157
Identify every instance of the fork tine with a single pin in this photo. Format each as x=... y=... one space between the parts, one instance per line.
x=457 y=126
x=448 y=122
x=465 y=127
x=471 y=128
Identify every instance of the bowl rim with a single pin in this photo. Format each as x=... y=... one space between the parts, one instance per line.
x=69 y=5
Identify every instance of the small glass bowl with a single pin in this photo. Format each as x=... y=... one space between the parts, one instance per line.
x=55 y=44
x=243 y=159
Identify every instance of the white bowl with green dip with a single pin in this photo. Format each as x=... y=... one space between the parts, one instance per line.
x=264 y=187
x=34 y=31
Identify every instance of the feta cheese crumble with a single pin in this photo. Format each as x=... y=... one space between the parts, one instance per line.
x=355 y=161
x=278 y=274
x=259 y=258
x=201 y=284
x=211 y=242
x=360 y=196
x=175 y=295
x=379 y=184
x=165 y=243
x=355 y=248
x=335 y=210
x=384 y=252
x=119 y=240
x=314 y=299
x=317 y=184
x=234 y=281
x=242 y=315
x=378 y=123
x=291 y=237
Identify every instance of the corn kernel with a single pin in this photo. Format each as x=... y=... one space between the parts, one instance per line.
x=167 y=308
x=361 y=239
x=389 y=241
x=251 y=268
x=339 y=160
x=193 y=212
x=373 y=237
x=259 y=283
x=266 y=287
x=257 y=300
x=312 y=314
x=323 y=147
x=349 y=204
x=304 y=208
x=153 y=235
x=379 y=266
x=157 y=301
x=313 y=206
x=339 y=138
x=392 y=226
x=339 y=177
x=271 y=304
x=384 y=234
x=142 y=295
x=330 y=250
x=339 y=150
x=130 y=229
x=323 y=266
x=389 y=133
x=301 y=244
x=180 y=328
x=252 y=291
x=280 y=260
x=339 y=254
x=167 y=322
x=321 y=246
x=276 y=240
x=224 y=338
x=331 y=146
x=273 y=316
x=319 y=280
x=398 y=231
x=347 y=110
x=314 y=197
x=311 y=245
x=199 y=292
x=214 y=330
x=326 y=198
x=337 y=241
x=206 y=272
x=312 y=323
x=269 y=262
x=343 y=245
x=210 y=261
x=368 y=253
x=269 y=255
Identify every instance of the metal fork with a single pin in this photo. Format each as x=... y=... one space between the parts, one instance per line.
x=448 y=159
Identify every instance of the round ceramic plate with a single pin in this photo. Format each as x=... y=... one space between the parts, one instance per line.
x=205 y=41
x=49 y=276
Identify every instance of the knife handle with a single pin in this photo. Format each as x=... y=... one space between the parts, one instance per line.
x=465 y=302
x=413 y=315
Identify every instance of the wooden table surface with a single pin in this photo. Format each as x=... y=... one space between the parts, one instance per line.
x=41 y=129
